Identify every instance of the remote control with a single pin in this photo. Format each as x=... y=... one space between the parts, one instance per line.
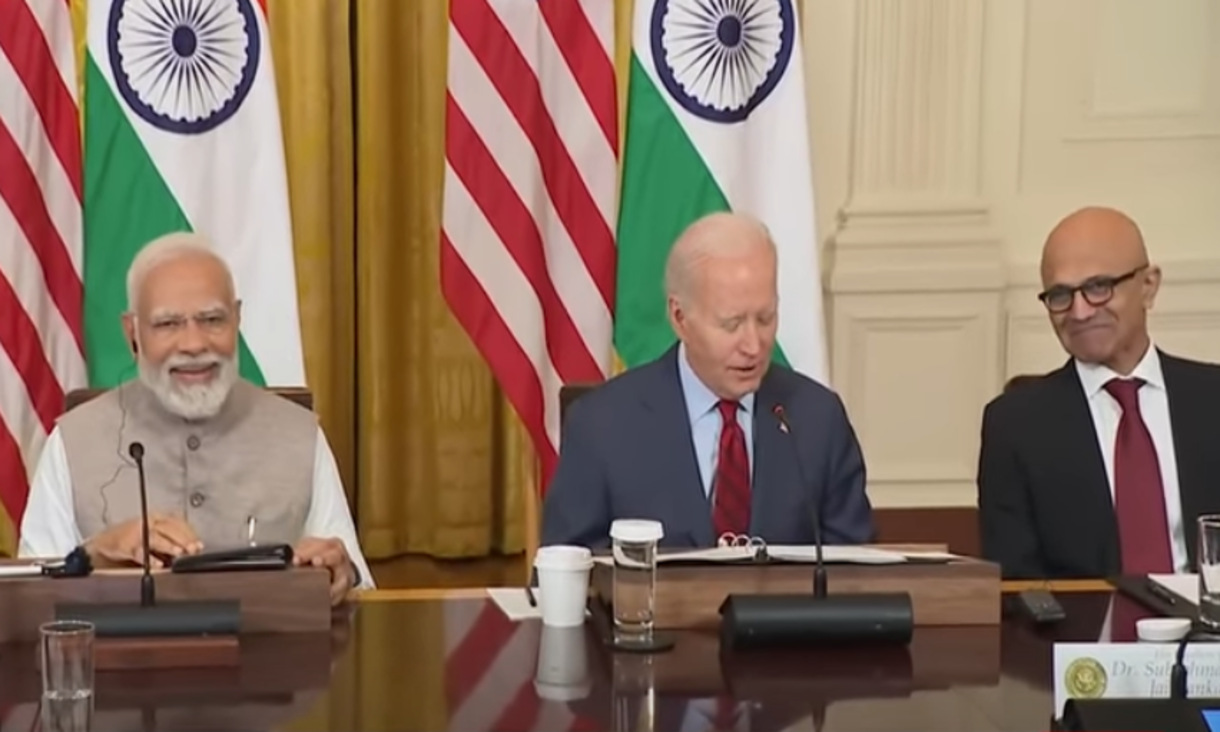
x=1041 y=606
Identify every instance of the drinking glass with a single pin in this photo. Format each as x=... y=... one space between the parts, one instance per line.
x=635 y=576
x=66 y=648
x=1209 y=570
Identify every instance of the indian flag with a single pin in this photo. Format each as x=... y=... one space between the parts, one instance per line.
x=716 y=121
x=182 y=132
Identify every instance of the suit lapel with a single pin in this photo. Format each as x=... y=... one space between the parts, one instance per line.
x=1075 y=434
x=677 y=464
x=1186 y=412
x=774 y=457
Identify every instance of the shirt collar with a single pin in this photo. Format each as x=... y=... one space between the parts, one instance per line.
x=699 y=399
x=1094 y=376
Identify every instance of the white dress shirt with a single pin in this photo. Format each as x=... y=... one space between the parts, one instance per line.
x=1154 y=407
x=48 y=528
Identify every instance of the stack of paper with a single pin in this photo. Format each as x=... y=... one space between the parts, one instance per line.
x=795 y=553
x=1184 y=585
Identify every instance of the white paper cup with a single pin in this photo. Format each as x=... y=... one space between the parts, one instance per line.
x=563 y=584
x=563 y=668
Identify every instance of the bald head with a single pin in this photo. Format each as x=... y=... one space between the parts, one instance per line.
x=1093 y=237
x=1098 y=285
x=717 y=236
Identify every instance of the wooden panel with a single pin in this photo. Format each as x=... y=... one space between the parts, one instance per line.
x=165 y=652
x=297 y=394
x=289 y=601
x=963 y=592
x=956 y=526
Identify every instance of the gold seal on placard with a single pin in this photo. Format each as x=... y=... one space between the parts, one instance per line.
x=1085 y=678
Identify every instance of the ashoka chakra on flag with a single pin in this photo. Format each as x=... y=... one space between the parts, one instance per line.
x=721 y=58
x=183 y=65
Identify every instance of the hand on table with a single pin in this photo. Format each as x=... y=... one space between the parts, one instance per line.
x=329 y=553
x=168 y=536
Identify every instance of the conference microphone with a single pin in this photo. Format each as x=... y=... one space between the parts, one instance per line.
x=148 y=591
x=819 y=563
x=150 y=618
x=770 y=620
x=1177 y=674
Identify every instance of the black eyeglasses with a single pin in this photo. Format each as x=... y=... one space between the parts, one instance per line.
x=1097 y=291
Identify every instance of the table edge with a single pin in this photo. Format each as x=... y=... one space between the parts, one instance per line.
x=474 y=593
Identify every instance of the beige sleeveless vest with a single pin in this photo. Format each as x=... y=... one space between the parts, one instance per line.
x=253 y=459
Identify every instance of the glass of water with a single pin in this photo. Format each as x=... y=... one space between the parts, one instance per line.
x=635 y=576
x=1209 y=570
x=67 y=675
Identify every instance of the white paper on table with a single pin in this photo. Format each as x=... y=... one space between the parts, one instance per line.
x=1185 y=585
x=807 y=553
x=20 y=570
x=514 y=602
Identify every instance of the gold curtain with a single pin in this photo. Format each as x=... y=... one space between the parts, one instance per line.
x=430 y=451
x=434 y=459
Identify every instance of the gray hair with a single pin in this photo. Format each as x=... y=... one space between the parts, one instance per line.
x=168 y=248
x=720 y=234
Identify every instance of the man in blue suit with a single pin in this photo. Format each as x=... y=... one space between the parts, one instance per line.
x=712 y=438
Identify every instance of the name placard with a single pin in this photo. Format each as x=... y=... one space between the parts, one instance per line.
x=1131 y=670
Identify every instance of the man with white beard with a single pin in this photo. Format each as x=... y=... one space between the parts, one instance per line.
x=223 y=457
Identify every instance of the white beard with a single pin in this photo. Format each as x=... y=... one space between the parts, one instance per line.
x=197 y=401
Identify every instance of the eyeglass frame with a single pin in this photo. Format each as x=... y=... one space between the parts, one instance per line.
x=1106 y=281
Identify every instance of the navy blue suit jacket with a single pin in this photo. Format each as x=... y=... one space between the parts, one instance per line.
x=626 y=452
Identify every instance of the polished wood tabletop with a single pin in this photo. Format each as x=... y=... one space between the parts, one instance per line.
x=450 y=660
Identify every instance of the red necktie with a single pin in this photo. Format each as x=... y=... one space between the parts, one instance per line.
x=1124 y=614
x=1139 y=497
x=731 y=485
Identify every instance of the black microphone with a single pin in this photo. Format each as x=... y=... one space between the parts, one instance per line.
x=1177 y=675
x=148 y=592
x=148 y=618
x=770 y=620
x=819 y=565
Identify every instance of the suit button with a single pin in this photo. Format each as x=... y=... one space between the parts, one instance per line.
x=197 y=499
x=192 y=442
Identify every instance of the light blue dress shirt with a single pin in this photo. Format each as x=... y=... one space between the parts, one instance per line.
x=705 y=421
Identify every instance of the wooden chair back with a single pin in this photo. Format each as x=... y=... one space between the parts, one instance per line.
x=296 y=394
x=569 y=393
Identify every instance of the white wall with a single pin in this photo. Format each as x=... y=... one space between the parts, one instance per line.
x=949 y=136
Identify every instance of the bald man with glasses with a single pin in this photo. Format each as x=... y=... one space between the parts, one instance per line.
x=1102 y=466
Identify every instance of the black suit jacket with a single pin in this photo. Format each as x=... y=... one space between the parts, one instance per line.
x=1045 y=507
x=626 y=452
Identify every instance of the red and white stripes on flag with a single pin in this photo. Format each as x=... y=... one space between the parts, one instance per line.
x=531 y=168
x=41 y=339
x=490 y=667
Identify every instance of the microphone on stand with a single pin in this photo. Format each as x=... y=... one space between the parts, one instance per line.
x=762 y=620
x=148 y=618
x=148 y=591
x=819 y=565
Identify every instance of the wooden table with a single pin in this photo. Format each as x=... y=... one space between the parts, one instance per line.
x=449 y=660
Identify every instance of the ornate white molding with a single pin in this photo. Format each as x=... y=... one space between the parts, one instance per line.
x=918 y=94
x=1174 y=272
x=916 y=218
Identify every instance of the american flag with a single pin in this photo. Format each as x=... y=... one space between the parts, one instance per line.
x=41 y=341
x=490 y=667
x=527 y=248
